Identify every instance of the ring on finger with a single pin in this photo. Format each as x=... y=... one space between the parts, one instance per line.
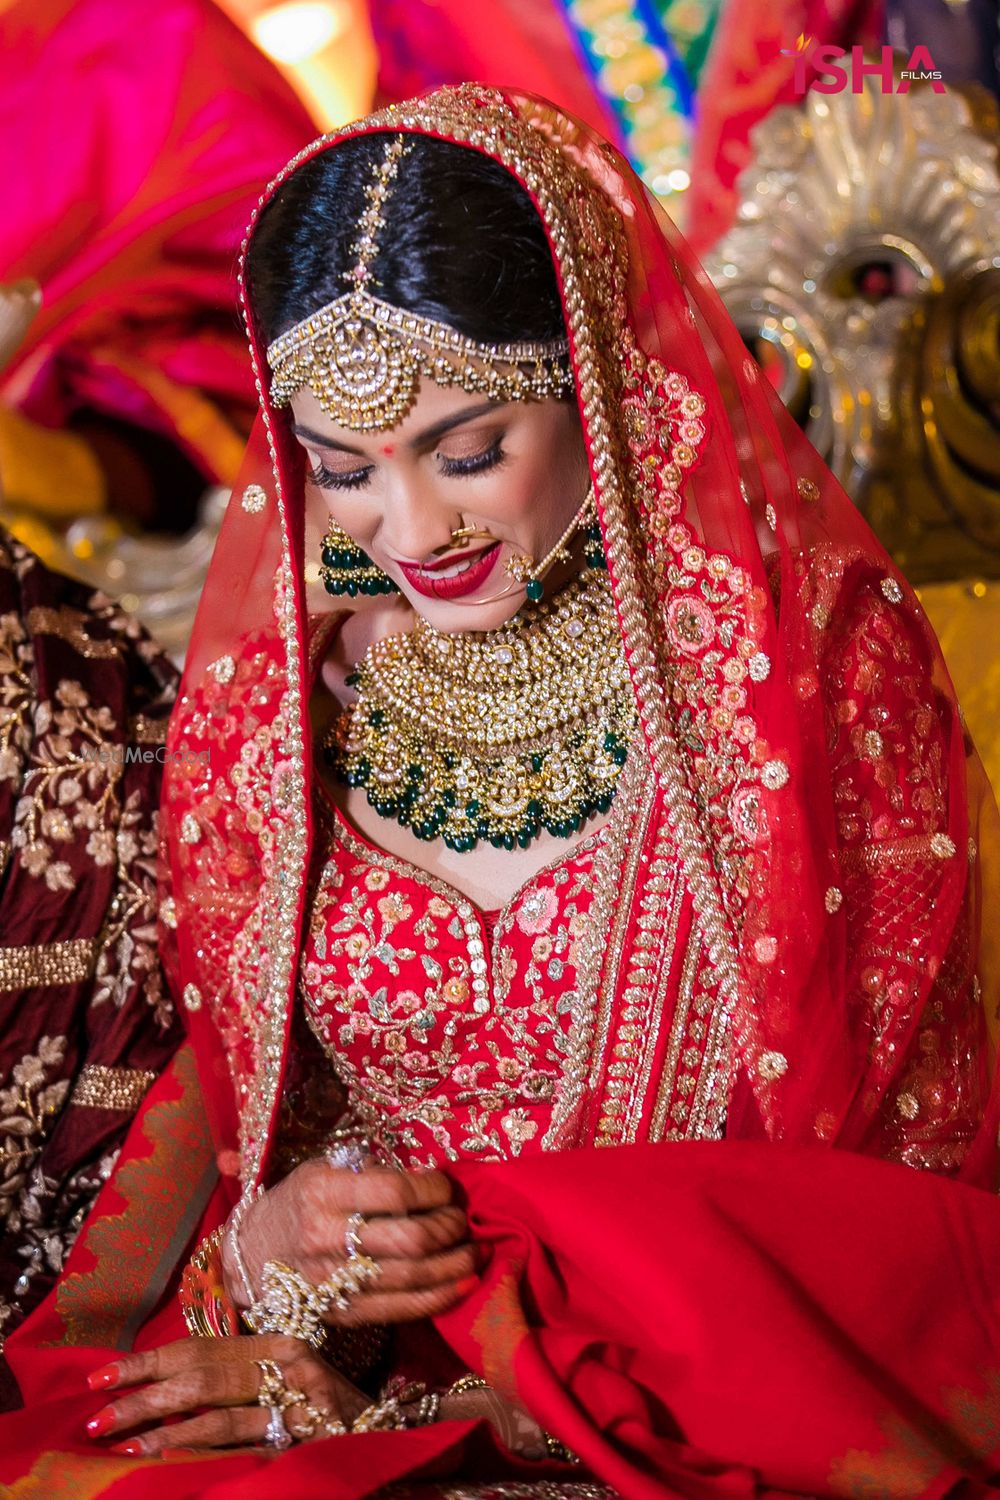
x=352 y=1235
x=273 y=1391
x=349 y=1154
x=314 y=1419
x=276 y=1434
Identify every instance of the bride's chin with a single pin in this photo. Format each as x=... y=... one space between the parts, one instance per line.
x=464 y=617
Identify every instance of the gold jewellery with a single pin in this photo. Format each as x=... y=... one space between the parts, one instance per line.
x=346 y=569
x=363 y=358
x=291 y=1305
x=276 y=1397
x=493 y=735
x=524 y=570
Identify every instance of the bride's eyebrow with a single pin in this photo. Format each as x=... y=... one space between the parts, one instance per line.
x=457 y=419
x=319 y=441
x=427 y=435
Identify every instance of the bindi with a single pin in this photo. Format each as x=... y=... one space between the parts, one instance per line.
x=388 y=449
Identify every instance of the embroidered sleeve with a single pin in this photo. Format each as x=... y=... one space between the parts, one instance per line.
x=892 y=739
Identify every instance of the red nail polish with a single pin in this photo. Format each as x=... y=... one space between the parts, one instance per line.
x=133 y=1448
x=102 y=1423
x=107 y=1375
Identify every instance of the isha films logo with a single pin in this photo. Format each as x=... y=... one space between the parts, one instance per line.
x=822 y=59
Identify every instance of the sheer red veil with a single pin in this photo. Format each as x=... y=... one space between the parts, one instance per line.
x=806 y=746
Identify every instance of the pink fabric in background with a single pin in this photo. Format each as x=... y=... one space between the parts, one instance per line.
x=135 y=138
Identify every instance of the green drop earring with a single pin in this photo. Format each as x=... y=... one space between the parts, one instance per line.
x=345 y=569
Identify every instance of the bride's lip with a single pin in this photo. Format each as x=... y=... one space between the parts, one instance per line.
x=454 y=585
x=449 y=560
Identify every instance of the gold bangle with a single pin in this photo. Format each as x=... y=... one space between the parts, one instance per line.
x=468 y=1382
x=557 y=1450
x=209 y=1311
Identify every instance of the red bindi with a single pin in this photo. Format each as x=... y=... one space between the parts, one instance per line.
x=388 y=450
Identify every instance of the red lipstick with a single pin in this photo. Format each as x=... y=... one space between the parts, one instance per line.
x=425 y=579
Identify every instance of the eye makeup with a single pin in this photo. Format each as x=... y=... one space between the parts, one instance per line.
x=452 y=467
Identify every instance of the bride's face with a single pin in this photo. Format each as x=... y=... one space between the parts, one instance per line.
x=516 y=470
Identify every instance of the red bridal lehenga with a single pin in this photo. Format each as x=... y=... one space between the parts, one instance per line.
x=716 y=1084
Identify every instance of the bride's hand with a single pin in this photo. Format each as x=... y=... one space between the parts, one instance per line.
x=516 y=1428
x=418 y=1236
x=222 y=1376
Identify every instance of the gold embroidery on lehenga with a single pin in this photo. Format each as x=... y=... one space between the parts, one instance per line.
x=71 y=626
x=963 y=1442
x=47 y=963
x=504 y=1489
x=101 y=1087
x=71 y=790
x=28 y=1102
x=74 y=1476
x=647 y=1015
x=615 y=872
x=499 y=1330
x=904 y=851
x=668 y=1120
x=142 y=730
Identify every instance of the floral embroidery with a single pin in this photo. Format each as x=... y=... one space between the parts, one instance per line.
x=64 y=789
x=48 y=1219
x=388 y=973
x=31 y=1096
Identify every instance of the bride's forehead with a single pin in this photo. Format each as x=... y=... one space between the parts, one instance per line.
x=432 y=404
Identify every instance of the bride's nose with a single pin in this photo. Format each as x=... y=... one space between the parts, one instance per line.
x=416 y=522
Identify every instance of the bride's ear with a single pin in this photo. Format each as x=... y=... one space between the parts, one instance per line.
x=19 y=302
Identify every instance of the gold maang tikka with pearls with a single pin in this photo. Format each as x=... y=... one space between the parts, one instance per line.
x=362 y=358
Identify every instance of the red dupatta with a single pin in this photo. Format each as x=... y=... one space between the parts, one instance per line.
x=804 y=751
x=685 y=1316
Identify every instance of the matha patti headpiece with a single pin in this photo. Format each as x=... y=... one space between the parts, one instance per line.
x=362 y=357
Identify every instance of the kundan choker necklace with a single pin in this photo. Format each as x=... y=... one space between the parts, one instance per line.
x=492 y=735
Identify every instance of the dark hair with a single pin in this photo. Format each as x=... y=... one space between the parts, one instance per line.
x=462 y=243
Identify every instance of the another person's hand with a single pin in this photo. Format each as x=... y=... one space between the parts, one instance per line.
x=412 y=1228
x=516 y=1428
x=213 y=1385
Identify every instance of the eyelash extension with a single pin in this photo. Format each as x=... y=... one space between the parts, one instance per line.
x=478 y=463
x=327 y=480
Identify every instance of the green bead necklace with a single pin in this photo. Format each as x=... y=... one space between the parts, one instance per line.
x=493 y=735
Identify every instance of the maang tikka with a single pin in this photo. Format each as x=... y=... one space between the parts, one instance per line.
x=363 y=358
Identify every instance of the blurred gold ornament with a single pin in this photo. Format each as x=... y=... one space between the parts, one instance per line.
x=19 y=302
x=863 y=270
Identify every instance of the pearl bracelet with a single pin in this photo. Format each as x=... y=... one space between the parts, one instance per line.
x=233 y=1242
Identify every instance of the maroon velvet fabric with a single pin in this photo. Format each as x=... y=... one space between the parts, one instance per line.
x=80 y=683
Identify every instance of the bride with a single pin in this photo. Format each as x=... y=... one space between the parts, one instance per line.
x=588 y=845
